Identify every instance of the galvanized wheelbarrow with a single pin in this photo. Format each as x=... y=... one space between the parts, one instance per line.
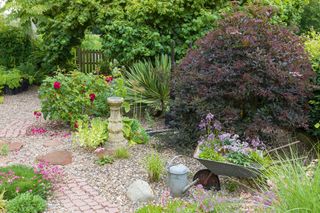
x=209 y=178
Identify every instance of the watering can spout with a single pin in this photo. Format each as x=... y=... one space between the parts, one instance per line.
x=190 y=185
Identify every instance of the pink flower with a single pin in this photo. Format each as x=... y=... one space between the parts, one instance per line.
x=57 y=85
x=99 y=150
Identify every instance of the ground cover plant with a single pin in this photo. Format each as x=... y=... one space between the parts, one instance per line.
x=26 y=203
x=4 y=150
x=19 y=179
x=252 y=75
x=203 y=202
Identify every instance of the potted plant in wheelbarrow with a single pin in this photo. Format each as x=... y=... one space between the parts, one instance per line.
x=227 y=154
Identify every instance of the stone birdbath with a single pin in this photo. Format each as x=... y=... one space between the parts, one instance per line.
x=116 y=138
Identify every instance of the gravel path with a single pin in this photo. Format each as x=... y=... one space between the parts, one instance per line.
x=111 y=181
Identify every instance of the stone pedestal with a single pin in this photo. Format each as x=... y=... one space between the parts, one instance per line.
x=116 y=138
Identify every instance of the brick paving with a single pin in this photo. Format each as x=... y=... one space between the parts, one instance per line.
x=76 y=195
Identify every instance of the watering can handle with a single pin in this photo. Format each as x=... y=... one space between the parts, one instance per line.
x=169 y=164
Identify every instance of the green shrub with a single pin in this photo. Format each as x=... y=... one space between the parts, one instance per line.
x=122 y=153
x=134 y=132
x=26 y=203
x=310 y=18
x=154 y=165
x=149 y=83
x=91 y=135
x=17 y=179
x=78 y=96
x=241 y=73
x=15 y=46
x=288 y=12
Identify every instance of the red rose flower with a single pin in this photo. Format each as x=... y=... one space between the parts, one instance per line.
x=57 y=85
x=92 y=97
x=37 y=114
x=109 y=78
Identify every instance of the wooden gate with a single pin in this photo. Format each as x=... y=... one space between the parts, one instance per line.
x=88 y=60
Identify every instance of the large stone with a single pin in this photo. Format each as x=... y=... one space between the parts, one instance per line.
x=140 y=190
x=53 y=143
x=56 y=158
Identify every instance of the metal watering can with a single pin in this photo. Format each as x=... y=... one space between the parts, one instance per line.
x=178 y=178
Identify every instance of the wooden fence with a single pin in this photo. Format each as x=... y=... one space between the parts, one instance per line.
x=88 y=60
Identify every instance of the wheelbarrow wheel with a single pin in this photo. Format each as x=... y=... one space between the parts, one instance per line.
x=207 y=179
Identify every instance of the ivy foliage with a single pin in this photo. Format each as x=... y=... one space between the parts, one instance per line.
x=131 y=29
x=142 y=29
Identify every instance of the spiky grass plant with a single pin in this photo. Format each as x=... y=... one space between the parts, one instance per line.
x=154 y=165
x=148 y=83
x=122 y=153
x=292 y=187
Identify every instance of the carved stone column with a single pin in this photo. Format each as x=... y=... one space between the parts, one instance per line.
x=116 y=138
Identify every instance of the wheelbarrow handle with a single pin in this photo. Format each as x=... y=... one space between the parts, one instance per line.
x=281 y=147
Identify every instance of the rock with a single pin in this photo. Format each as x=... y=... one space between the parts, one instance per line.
x=57 y=158
x=140 y=191
x=52 y=143
x=15 y=146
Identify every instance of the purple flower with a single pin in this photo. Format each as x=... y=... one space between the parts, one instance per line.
x=224 y=136
x=209 y=117
x=217 y=125
x=210 y=137
x=202 y=124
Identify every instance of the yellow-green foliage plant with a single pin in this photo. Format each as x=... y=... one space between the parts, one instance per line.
x=1 y=99
x=312 y=46
x=2 y=202
x=91 y=135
